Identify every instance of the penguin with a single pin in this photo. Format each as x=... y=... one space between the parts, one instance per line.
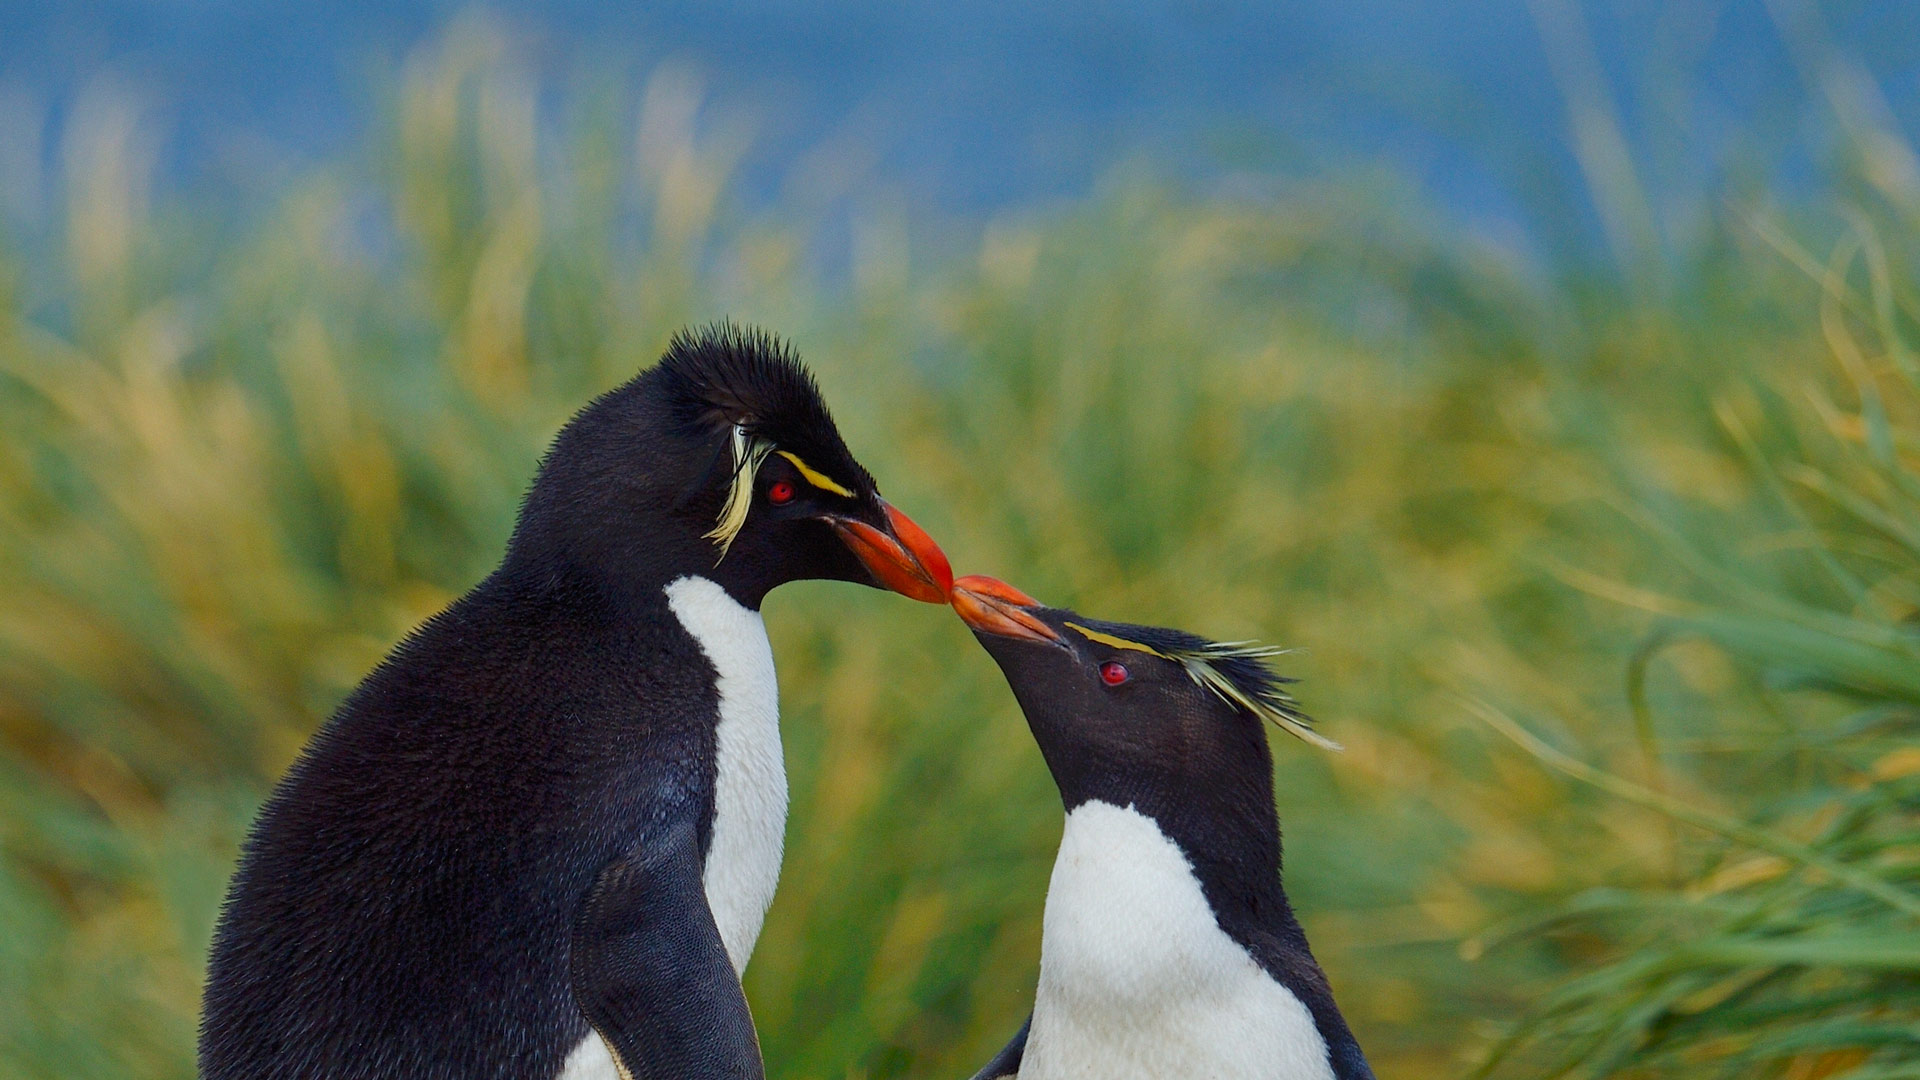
x=1167 y=945
x=537 y=842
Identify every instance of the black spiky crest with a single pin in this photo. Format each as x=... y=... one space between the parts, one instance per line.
x=1236 y=671
x=724 y=375
x=749 y=388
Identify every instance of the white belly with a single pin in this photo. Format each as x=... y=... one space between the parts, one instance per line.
x=1137 y=980
x=750 y=784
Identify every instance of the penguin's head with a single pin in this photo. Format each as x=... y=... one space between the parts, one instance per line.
x=1137 y=714
x=722 y=461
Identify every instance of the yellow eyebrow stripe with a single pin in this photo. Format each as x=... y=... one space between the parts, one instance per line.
x=815 y=476
x=1116 y=642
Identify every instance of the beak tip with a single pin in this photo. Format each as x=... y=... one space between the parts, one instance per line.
x=902 y=557
x=926 y=554
x=990 y=606
x=995 y=588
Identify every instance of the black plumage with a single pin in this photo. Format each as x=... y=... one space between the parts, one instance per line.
x=1179 y=750
x=490 y=842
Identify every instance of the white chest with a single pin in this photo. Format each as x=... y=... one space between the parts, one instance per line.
x=750 y=785
x=1137 y=980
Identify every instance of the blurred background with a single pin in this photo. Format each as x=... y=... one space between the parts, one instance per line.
x=1544 y=372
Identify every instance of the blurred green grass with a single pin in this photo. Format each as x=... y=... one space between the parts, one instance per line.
x=1668 y=527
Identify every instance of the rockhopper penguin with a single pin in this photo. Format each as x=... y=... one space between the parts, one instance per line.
x=538 y=841
x=1168 y=948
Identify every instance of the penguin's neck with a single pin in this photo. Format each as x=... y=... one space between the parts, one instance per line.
x=1137 y=977
x=554 y=555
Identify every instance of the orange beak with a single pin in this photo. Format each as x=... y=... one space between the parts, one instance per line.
x=903 y=558
x=992 y=606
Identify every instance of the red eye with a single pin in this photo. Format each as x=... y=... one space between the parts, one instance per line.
x=1113 y=673
x=780 y=492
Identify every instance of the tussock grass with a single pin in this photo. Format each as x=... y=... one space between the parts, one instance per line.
x=1783 y=942
x=1665 y=534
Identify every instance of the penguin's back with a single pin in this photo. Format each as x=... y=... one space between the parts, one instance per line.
x=403 y=904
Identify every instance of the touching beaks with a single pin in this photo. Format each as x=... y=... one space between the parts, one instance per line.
x=992 y=606
x=902 y=558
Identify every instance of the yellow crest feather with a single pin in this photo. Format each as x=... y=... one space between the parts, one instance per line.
x=748 y=453
x=1274 y=705
x=1116 y=642
x=815 y=476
